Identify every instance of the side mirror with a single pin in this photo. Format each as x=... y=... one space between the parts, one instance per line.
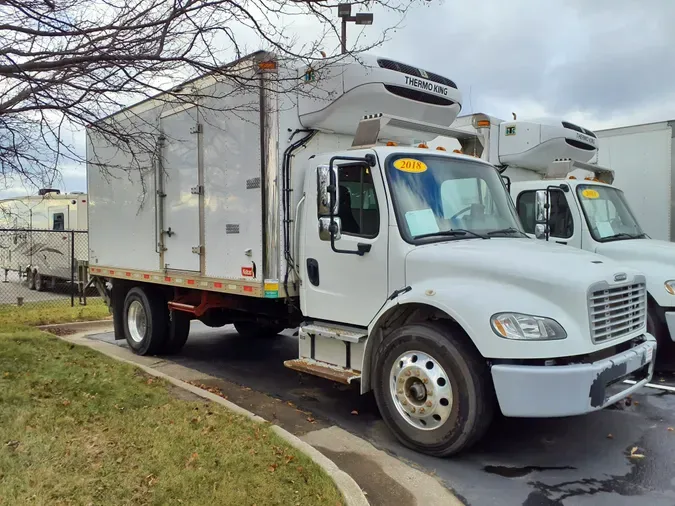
x=541 y=230
x=328 y=226
x=327 y=190
x=541 y=207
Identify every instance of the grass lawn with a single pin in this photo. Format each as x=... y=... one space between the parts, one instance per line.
x=79 y=428
x=57 y=311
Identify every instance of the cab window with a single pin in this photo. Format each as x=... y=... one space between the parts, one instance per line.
x=561 y=222
x=359 y=211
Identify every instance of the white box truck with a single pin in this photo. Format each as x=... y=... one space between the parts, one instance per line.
x=270 y=210
x=563 y=199
x=44 y=238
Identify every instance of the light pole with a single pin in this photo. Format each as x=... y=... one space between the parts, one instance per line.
x=345 y=13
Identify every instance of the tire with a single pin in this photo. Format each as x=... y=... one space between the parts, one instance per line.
x=665 y=347
x=40 y=282
x=462 y=402
x=145 y=321
x=30 y=278
x=177 y=334
x=253 y=330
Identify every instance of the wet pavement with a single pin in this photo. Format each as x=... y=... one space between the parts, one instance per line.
x=571 y=461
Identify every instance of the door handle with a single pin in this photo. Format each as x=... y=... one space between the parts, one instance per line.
x=363 y=247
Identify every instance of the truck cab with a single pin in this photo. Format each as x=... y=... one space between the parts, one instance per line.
x=591 y=214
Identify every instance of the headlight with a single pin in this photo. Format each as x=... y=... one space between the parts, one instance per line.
x=526 y=327
x=670 y=286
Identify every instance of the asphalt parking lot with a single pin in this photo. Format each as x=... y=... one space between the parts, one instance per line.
x=571 y=461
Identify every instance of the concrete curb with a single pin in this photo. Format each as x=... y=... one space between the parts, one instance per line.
x=93 y=325
x=351 y=492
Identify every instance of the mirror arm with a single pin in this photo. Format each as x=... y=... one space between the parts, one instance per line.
x=369 y=159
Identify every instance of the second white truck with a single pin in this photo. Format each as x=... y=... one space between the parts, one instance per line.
x=405 y=268
x=562 y=199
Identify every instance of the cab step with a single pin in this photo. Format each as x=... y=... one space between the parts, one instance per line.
x=333 y=331
x=323 y=370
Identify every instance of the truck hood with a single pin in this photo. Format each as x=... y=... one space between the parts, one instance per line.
x=656 y=259
x=473 y=279
x=515 y=260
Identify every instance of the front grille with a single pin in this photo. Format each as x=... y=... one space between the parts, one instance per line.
x=410 y=70
x=579 y=145
x=617 y=311
x=577 y=128
x=418 y=96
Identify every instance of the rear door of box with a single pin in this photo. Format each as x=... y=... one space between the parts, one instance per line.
x=180 y=164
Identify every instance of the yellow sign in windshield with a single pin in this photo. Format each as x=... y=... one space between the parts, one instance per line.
x=590 y=193
x=410 y=165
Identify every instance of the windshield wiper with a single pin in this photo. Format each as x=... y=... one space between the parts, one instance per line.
x=621 y=235
x=509 y=230
x=452 y=233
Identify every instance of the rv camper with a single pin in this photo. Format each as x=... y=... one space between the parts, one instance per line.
x=44 y=238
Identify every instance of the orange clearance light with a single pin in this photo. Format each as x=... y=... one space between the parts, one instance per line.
x=483 y=123
x=422 y=146
x=459 y=151
x=267 y=65
x=572 y=177
x=392 y=143
x=441 y=148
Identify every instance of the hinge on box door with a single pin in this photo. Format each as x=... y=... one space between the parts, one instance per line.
x=198 y=250
x=196 y=129
x=197 y=190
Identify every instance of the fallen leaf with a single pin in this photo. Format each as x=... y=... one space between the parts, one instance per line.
x=355 y=412
x=670 y=429
x=150 y=381
x=193 y=458
x=66 y=402
x=635 y=455
x=610 y=436
x=289 y=458
x=310 y=419
x=272 y=468
x=662 y=380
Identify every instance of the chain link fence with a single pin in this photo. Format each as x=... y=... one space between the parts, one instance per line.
x=44 y=268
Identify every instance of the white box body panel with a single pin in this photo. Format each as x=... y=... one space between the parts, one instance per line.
x=642 y=160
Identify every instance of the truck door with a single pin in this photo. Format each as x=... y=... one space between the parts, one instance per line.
x=181 y=186
x=564 y=216
x=343 y=286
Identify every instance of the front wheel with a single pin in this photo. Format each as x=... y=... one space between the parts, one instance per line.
x=39 y=282
x=665 y=347
x=433 y=389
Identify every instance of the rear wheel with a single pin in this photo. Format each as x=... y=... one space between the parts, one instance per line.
x=145 y=321
x=30 y=279
x=433 y=389
x=40 y=283
x=178 y=331
x=252 y=330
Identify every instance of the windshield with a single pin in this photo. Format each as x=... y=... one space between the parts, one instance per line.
x=437 y=196
x=607 y=213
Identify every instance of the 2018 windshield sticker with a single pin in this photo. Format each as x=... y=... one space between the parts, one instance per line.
x=410 y=165
x=590 y=193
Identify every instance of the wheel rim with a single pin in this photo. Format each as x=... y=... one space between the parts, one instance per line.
x=421 y=391
x=137 y=321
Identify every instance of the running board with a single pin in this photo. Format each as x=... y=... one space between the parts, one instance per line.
x=339 y=332
x=326 y=371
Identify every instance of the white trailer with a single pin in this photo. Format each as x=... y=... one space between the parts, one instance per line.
x=275 y=210
x=563 y=199
x=44 y=237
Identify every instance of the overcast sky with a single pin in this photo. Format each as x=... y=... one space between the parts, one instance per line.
x=600 y=63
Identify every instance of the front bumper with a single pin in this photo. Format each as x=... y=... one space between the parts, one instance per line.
x=566 y=390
